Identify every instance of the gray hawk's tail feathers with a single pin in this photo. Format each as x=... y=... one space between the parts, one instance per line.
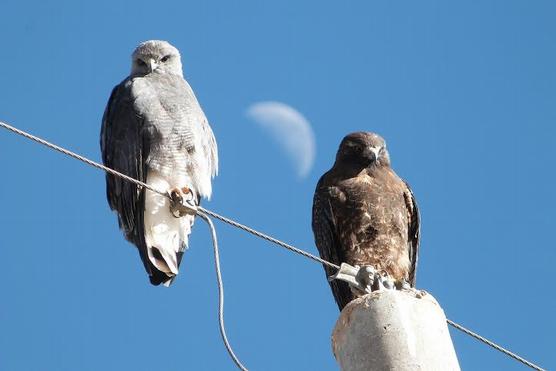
x=166 y=237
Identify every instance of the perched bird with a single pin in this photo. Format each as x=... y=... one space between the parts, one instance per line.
x=365 y=215
x=154 y=130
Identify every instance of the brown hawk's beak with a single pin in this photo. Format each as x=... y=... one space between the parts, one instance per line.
x=371 y=154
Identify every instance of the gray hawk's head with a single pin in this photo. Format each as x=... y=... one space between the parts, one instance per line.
x=156 y=56
x=363 y=149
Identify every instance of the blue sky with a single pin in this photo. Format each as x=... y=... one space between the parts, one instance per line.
x=463 y=92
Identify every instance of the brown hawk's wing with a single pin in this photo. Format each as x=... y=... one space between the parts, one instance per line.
x=413 y=231
x=326 y=239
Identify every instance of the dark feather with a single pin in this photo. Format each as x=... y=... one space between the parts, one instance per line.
x=328 y=245
x=414 y=233
x=125 y=148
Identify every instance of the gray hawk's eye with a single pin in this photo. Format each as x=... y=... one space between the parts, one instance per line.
x=165 y=58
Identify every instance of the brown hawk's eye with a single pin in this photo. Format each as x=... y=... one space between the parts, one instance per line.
x=358 y=148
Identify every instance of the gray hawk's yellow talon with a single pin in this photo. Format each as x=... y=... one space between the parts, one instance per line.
x=181 y=202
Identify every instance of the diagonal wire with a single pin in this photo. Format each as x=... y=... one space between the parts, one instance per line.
x=145 y=185
x=80 y=158
x=268 y=238
x=494 y=345
x=220 y=292
x=247 y=229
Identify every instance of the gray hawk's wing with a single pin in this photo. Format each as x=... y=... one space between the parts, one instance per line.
x=125 y=148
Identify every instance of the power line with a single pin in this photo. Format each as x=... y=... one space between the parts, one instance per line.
x=268 y=238
x=494 y=345
x=220 y=292
x=67 y=152
x=247 y=229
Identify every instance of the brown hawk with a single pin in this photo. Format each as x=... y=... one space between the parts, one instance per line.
x=365 y=215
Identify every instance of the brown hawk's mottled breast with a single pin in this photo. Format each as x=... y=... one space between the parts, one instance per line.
x=364 y=214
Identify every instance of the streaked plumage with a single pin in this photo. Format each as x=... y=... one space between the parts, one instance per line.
x=364 y=214
x=154 y=130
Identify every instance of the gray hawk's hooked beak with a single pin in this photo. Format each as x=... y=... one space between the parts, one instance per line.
x=152 y=65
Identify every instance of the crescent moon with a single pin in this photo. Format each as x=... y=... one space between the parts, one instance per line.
x=290 y=129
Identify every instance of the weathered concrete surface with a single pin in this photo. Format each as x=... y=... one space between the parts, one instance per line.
x=394 y=330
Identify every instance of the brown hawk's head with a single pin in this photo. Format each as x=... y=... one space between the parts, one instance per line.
x=363 y=149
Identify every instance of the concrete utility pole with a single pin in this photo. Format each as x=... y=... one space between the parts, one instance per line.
x=394 y=330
